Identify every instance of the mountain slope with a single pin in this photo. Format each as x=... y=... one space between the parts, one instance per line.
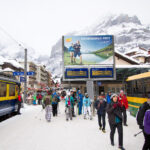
x=128 y=31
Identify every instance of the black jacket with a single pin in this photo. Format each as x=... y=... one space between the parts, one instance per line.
x=102 y=109
x=114 y=112
x=141 y=113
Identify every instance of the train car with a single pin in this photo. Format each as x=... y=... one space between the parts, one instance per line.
x=138 y=88
x=8 y=95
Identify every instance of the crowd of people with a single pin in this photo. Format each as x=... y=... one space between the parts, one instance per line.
x=114 y=105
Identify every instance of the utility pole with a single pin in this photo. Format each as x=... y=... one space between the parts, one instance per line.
x=25 y=75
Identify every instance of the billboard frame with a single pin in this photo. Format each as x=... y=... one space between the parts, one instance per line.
x=89 y=66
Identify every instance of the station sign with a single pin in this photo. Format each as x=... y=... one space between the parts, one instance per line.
x=101 y=72
x=71 y=73
x=22 y=79
x=29 y=73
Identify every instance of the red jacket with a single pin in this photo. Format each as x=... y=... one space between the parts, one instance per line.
x=123 y=100
x=19 y=98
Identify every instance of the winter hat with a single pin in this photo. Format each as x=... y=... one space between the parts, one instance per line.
x=86 y=94
x=113 y=95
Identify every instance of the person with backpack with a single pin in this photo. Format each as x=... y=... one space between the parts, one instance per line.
x=87 y=106
x=71 y=50
x=47 y=100
x=124 y=102
x=114 y=110
x=54 y=105
x=143 y=120
x=100 y=105
x=68 y=109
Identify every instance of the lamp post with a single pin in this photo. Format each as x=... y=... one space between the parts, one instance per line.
x=25 y=75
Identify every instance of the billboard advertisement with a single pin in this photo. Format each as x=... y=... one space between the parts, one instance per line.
x=88 y=50
x=88 y=57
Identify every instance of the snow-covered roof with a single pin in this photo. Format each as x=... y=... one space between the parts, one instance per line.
x=131 y=51
x=7 y=70
x=127 y=57
x=141 y=55
x=133 y=66
x=14 y=63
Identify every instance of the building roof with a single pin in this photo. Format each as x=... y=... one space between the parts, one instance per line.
x=126 y=58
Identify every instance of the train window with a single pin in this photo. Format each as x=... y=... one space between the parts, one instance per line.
x=11 y=90
x=2 y=90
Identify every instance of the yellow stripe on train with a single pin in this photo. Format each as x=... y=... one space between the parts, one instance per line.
x=137 y=100
x=133 y=106
x=8 y=98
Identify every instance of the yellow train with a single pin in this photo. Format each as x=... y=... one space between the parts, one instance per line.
x=138 y=87
x=8 y=95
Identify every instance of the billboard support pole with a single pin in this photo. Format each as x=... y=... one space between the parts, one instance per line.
x=90 y=89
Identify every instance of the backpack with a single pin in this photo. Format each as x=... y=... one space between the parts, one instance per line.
x=147 y=122
x=138 y=116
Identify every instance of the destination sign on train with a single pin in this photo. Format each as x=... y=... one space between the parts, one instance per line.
x=101 y=72
x=76 y=73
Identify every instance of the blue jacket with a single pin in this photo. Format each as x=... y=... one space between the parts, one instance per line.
x=86 y=102
x=71 y=49
x=80 y=98
x=108 y=99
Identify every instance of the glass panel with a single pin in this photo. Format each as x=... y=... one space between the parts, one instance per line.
x=11 y=90
x=2 y=89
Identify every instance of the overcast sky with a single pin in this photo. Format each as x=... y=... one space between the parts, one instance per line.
x=40 y=23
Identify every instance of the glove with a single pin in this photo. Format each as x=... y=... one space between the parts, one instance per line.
x=119 y=105
x=114 y=105
x=141 y=127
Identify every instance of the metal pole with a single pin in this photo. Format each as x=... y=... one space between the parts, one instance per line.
x=25 y=75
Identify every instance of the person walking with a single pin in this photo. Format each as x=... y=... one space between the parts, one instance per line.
x=87 y=106
x=100 y=105
x=48 y=108
x=54 y=105
x=34 y=99
x=72 y=101
x=19 y=103
x=114 y=110
x=143 y=120
x=68 y=109
x=80 y=101
x=124 y=102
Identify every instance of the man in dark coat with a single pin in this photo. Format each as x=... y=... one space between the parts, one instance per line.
x=100 y=105
x=140 y=118
x=114 y=110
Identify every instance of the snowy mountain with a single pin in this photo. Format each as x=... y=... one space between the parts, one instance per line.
x=11 y=49
x=128 y=31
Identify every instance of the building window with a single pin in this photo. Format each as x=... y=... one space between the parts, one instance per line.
x=11 y=90
x=2 y=90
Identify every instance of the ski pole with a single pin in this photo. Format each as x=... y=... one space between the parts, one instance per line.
x=138 y=133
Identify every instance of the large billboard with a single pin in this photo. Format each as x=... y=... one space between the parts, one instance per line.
x=88 y=57
x=88 y=50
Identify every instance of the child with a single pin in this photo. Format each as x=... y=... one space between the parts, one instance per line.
x=87 y=106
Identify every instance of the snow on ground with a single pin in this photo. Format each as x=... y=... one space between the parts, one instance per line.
x=30 y=131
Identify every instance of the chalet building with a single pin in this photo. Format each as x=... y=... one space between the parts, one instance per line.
x=140 y=54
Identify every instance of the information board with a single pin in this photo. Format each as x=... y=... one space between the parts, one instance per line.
x=101 y=73
x=76 y=73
